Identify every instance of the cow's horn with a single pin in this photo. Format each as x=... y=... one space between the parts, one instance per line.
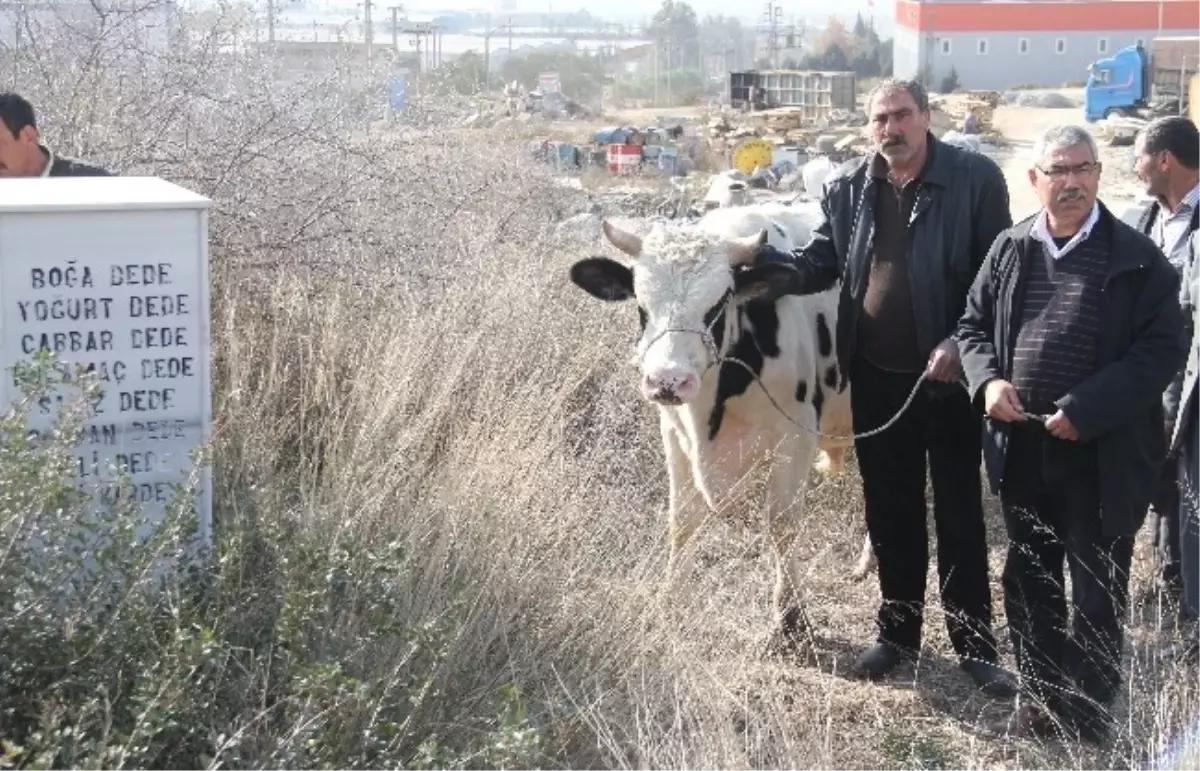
x=626 y=242
x=743 y=251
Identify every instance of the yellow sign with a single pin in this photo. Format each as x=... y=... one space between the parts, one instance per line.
x=751 y=153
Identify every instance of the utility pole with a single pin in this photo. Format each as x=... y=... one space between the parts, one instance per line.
x=487 y=56
x=368 y=31
x=271 y=21
x=395 y=9
x=670 y=45
x=657 y=41
x=773 y=15
x=487 y=47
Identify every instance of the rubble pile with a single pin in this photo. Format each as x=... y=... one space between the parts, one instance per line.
x=947 y=112
x=785 y=126
x=487 y=110
x=1051 y=100
x=956 y=106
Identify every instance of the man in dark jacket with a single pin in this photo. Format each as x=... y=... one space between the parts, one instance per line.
x=1167 y=161
x=1072 y=331
x=1167 y=154
x=905 y=230
x=22 y=153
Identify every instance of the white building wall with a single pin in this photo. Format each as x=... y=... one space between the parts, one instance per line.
x=1008 y=59
x=1004 y=60
x=906 y=53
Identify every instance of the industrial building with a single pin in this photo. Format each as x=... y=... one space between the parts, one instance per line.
x=999 y=45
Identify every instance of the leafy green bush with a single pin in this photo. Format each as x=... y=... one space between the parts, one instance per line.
x=107 y=662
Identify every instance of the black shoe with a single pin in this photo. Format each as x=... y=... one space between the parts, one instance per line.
x=878 y=660
x=990 y=677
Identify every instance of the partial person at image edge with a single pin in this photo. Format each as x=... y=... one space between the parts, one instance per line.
x=22 y=153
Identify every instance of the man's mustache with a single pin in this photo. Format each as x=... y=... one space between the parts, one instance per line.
x=1070 y=194
x=894 y=141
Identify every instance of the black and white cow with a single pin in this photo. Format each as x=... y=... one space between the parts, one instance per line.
x=703 y=302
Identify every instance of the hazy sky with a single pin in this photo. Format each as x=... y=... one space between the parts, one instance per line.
x=635 y=10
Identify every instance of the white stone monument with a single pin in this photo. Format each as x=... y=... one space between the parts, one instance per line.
x=112 y=273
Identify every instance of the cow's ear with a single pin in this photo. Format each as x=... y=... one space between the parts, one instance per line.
x=765 y=283
x=604 y=278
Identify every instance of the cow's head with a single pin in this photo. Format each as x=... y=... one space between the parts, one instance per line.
x=688 y=286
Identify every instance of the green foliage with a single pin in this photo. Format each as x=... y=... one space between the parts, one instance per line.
x=950 y=82
x=581 y=76
x=282 y=650
x=462 y=75
x=725 y=36
x=859 y=50
x=686 y=86
x=676 y=27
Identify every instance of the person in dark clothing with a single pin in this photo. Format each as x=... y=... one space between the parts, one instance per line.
x=1071 y=333
x=22 y=153
x=1167 y=154
x=1167 y=161
x=905 y=231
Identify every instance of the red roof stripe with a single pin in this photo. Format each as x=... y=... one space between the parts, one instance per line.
x=1048 y=16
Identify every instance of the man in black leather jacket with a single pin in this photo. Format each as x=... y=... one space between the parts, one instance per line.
x=905 y=230
x=22 y=153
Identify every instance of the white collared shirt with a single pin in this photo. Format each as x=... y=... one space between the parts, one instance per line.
x=49 y=162
x=1170 y=230
x=1041 y=231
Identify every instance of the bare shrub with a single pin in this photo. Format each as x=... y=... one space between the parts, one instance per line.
x=437 y=499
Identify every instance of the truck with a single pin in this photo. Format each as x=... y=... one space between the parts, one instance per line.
x=1143 y=83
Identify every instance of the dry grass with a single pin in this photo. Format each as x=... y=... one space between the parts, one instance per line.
x=439 y=503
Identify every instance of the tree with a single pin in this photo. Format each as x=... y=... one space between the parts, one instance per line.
x=725 y=36
x=675 y=26
x=860 y=51
x=581 y=76
x=835 y=34
x=463 y=75
x=950 y=82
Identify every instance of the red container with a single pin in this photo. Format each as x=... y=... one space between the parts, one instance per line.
x=624 y=159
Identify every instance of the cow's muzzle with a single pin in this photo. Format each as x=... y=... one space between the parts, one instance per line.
x=670 y=388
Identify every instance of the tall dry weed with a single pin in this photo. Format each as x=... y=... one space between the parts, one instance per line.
x=438 y=509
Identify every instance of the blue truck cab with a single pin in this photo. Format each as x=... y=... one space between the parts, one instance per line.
x=1118 y=85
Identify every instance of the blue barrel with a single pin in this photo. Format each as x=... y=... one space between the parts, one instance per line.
x=668 y=159
x=398 y=89
x=568 y=155
x=613 y=135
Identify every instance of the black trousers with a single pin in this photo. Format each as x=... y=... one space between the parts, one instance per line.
x=943 y=428
x=1052 y=512
x=1164 y=524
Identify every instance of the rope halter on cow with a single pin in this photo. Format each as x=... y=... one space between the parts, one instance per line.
x=716 y=359
x=742 y=252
